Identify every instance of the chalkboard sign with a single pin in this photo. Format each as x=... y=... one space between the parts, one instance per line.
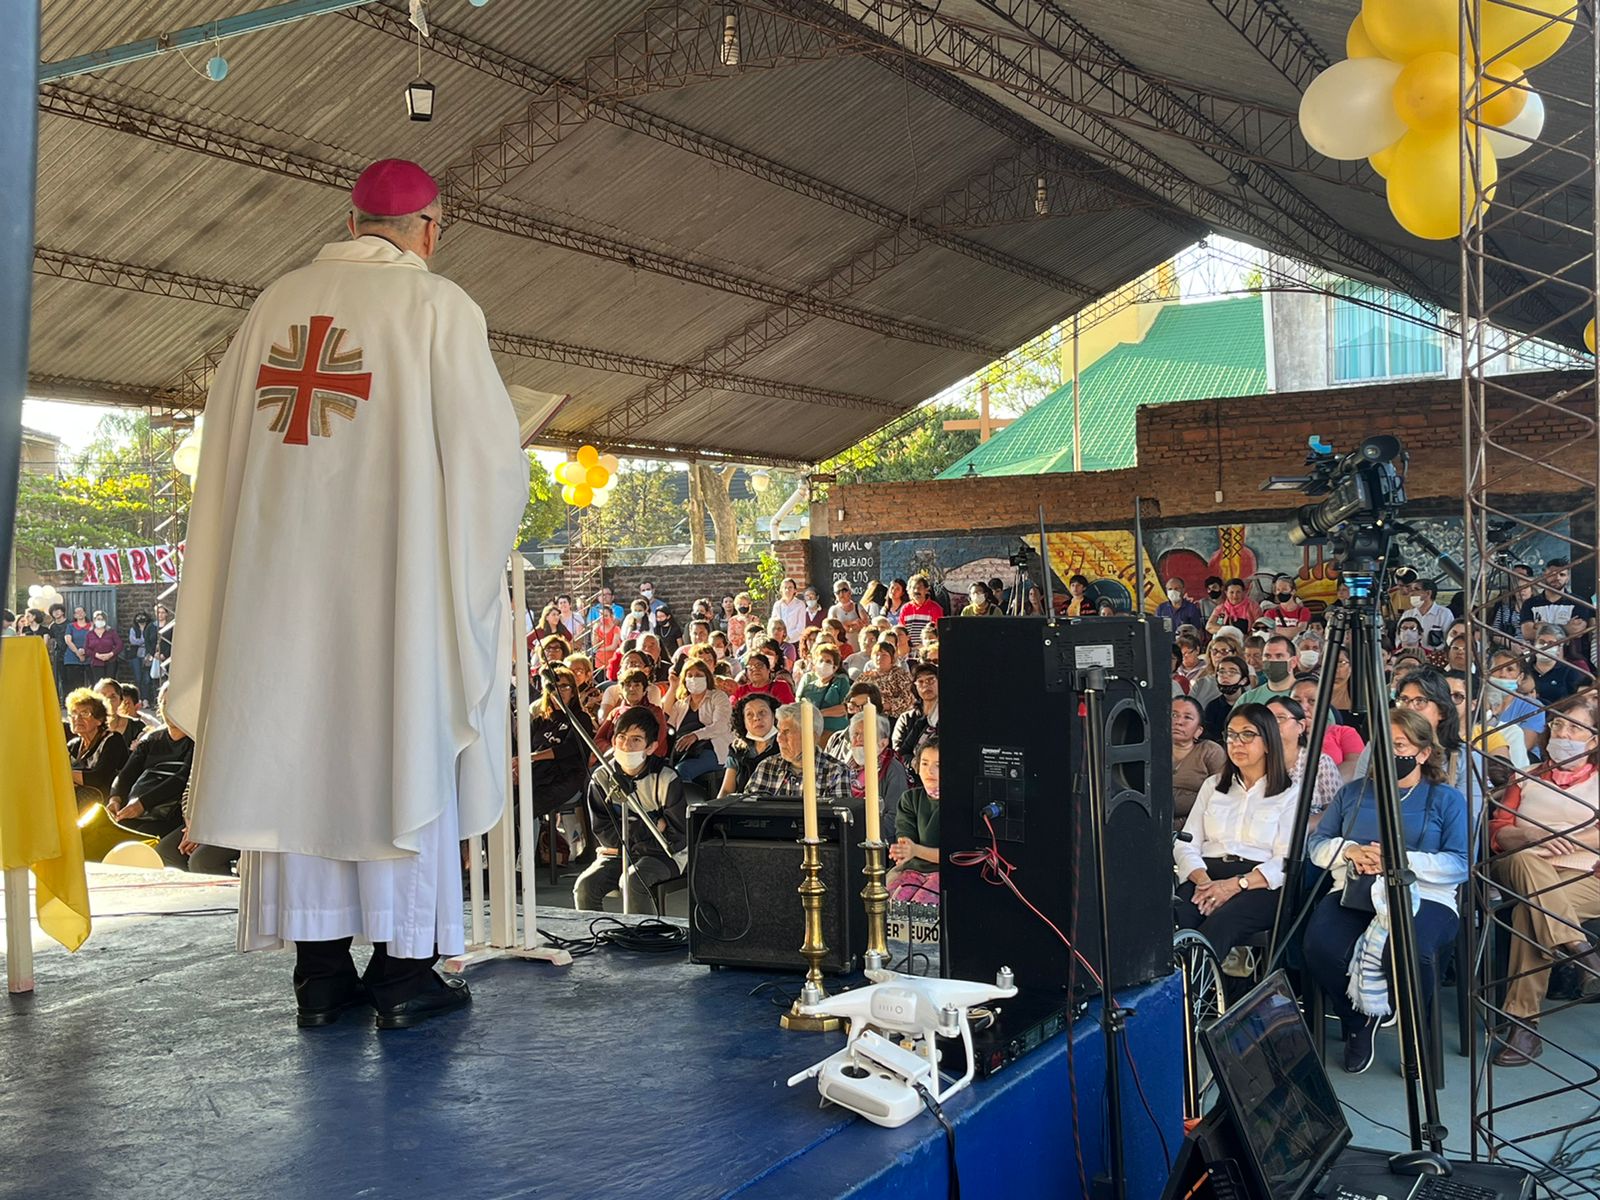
x=855 y=559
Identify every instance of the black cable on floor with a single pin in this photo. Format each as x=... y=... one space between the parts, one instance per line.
x=934 y=1107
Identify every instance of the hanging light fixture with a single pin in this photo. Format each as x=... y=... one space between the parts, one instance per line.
x=760 y=481
x=728 y=52
x=419 y=92
x=1041 y=197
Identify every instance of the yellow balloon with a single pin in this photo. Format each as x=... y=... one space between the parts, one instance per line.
x=1383 y=161
x=1357 y=44
x=1403 y=29
x=582 y=495
x=568 y=494
x=1505 y=94
x=1525 y=38
x=609 y=462
x=571 y=473
x=1425 y=183
x=597 y=477
x=1428 y=93
x=588 y=456
x=1588 y=335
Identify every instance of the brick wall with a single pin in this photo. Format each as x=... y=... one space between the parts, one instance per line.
x=680 y=586
x=1190 y=452
x=796 y=559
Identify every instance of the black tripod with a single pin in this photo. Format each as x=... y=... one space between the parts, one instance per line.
x=1356 y=629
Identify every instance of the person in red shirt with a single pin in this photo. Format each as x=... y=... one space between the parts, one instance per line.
x=758 y=677
x=605 y=635
x=921 y=610
x=1287 y=611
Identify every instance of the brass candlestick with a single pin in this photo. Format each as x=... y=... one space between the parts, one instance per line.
x=875 y=899
x=812 y=890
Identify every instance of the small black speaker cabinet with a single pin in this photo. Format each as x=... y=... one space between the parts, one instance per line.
x=1013 y=744
x=744 y=869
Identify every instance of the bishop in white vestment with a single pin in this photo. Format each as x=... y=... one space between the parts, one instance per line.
x=360 y=459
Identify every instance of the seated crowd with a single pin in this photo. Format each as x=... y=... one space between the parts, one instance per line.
x=1516 y=789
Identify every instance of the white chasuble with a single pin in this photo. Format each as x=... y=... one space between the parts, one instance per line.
x=342 y=654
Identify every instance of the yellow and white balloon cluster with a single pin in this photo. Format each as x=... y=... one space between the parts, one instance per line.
x=186 y=458
x=1396 y=101
x=586 y=478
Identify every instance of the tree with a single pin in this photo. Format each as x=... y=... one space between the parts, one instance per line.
x=116 y=511
x=546 y=512
x=123 y=443
x=708 y=495
x=644 y=509
x=916 y=451
x=754 y=513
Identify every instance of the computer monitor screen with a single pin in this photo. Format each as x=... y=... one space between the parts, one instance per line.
x=1283 y=1105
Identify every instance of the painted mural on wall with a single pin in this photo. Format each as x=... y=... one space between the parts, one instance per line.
x=1253 y=552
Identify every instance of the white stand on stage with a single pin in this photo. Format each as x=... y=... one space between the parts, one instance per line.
x=496 y=931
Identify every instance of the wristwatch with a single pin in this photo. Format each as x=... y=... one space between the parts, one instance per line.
x=1244 y=881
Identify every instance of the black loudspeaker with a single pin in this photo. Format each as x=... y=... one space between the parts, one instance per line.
x=1013 y=758
x=744 y=869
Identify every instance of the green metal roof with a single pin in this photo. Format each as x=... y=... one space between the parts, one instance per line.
x=1193 y=351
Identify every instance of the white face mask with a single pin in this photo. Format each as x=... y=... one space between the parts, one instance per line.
x=1310 y=658
x=694 y=685
x=858 y=755
x=99 y=624
x=1174 y=595
x=630 y=760
x=1416 y=602
x=1410 y=637
x=824 y=670
x=1566 y=750
x=647 y=592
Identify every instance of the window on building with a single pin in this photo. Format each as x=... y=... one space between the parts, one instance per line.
x=1369 y=343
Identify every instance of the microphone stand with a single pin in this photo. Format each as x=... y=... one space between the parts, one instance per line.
x=620 y=790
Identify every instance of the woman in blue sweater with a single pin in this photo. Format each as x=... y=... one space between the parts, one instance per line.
x=1434 y=817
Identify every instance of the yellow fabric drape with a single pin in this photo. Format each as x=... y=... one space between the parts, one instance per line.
x=38 y=813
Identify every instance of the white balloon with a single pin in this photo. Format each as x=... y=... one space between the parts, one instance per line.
x=34 y=591
x=1527 y=125
x=186 y=458
x=1348 y=111
x=601 y=497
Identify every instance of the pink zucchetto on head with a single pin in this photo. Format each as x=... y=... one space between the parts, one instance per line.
x=393 y=187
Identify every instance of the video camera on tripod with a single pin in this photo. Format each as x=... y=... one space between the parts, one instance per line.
x=1363 y=491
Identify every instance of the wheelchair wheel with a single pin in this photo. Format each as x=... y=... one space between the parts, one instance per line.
x=1203 y=1002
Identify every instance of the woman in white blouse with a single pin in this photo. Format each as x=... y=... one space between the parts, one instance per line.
x=702 y=723
x=1239 y=828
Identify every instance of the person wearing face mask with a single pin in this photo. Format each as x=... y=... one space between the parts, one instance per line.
x=1308 y=652
x=701 y=717
x=892 y=777
x=1287 y=611
x=1435 y=619
x=1178 y=608
x=1194 y=758
x=1232 y=675
x=914 y=878
x=1508 y=676
x=633 y=691
x=783 y=773
x=815 y=613
x=980 y=602
x=826 y=685
x=1278 y=665
x=1545 y=827
x=1408 y=637
x=660 y=793
x=103 y=644
x=1433 y=817
x=1553 y=677
x=1213 y=596
x=648 y=591
x=755 y=726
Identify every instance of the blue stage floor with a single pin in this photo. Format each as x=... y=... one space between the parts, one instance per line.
x=157 y=1062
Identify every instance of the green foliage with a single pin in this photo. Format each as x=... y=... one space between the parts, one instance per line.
x=545 y=513
x=754 y=514
x=643 y=509
x=916 y=451
x=764 y=584
x=123 y=443
x=79 y=511
x=1025 y=376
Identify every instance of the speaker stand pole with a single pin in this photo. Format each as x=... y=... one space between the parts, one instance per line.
x=1113 y=1017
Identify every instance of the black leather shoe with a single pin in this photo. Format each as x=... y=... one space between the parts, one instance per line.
x=445 y=996
x=309 y=1017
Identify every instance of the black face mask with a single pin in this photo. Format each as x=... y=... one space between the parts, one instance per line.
x=1214 y=593
x=1230 y=689
x=1284 y=597
x=744 y=608
x=1404 y=764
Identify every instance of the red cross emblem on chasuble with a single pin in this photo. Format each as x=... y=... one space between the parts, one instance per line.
x=310 y=380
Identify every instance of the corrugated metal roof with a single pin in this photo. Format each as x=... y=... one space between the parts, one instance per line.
x=1197 y=351
x=330 y=88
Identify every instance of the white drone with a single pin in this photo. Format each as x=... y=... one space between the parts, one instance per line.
x=884 y=1078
